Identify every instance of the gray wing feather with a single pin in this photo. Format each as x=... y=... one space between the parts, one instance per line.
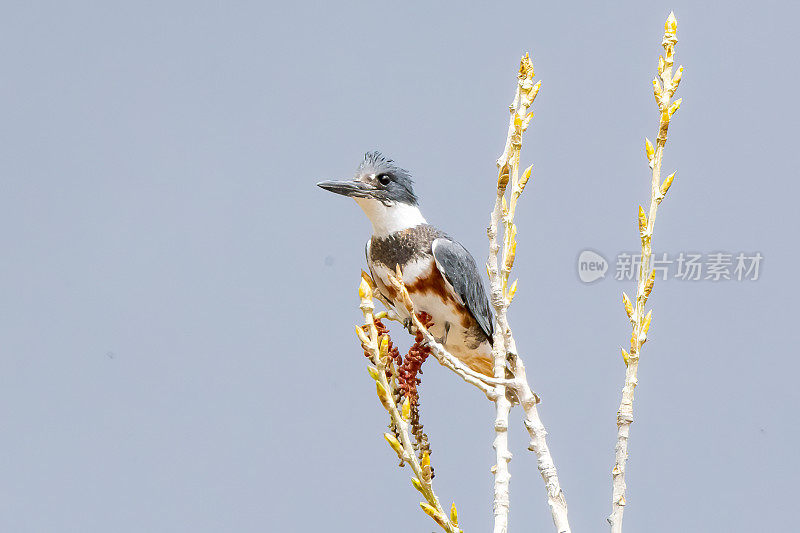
x=458 y=268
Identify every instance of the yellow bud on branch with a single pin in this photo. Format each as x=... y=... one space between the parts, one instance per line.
x=383 y=396
x=667 y=184
x=648 y=286
x=646 y=323
x=395 y=444
x=628 y=305
x=512 y=291
x=525 y=177
x=642 y=221
x=675 y=106
x=433 y=513
x=373 y=372
x=362 y=336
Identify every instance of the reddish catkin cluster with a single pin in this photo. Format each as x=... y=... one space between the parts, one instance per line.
x=412 y=363
x=408 y=380
x=407 y=370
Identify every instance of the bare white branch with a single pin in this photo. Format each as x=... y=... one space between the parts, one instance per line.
x=640 y=321
x=504 y=348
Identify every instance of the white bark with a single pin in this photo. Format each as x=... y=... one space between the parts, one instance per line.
x=640 y=321
x=502 y=474
x=504 y=346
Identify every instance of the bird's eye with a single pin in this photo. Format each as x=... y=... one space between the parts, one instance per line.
x=384 y=179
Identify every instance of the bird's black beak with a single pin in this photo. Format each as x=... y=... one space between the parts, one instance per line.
x=351 y=188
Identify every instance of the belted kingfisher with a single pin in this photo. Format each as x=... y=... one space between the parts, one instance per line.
x=440 y=274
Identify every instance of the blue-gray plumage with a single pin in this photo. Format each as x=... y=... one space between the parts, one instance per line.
x=459 y=269
x=440 y=274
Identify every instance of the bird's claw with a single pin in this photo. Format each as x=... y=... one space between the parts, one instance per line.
x=408 y=323
x=389 y=315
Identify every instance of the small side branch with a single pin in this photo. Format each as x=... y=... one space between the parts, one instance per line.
x=383 y=373
x=664 y=87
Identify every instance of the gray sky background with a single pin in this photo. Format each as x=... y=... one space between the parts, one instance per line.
x=178 y=299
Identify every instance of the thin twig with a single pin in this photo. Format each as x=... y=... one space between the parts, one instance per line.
x=385 y=388
x=663 y=90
